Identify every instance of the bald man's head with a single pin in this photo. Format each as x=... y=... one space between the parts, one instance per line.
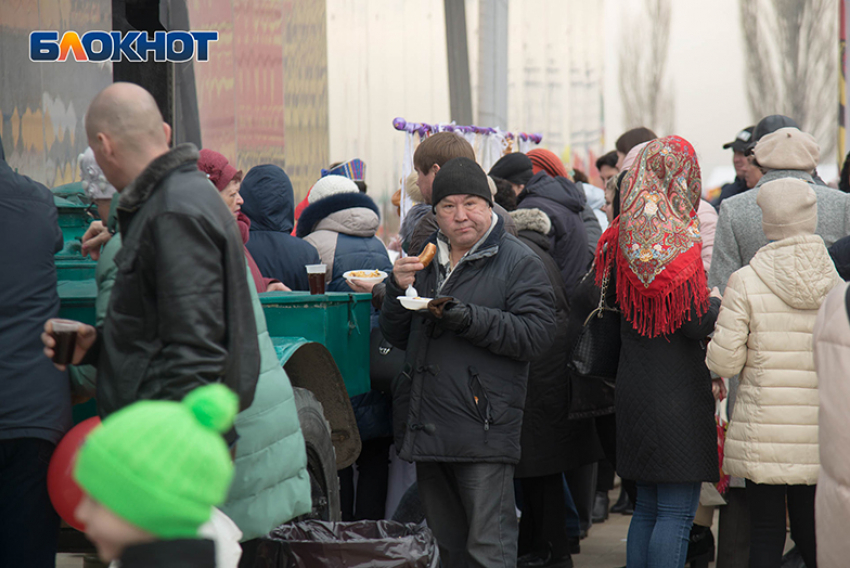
x=126 y=112
x=125 y=130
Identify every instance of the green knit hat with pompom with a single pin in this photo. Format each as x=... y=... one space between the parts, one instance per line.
x=162 y=465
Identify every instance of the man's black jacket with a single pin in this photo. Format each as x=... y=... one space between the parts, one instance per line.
x=461 y=395
x=180 y=315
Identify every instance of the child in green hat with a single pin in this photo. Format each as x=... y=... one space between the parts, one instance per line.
x=152 y=474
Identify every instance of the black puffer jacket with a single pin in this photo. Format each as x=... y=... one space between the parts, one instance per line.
x=460 y=397
x=180 y=314
x=665 y=411
x=563 y=202
x=551 y=443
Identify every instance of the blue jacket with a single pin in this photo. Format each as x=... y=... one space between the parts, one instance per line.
x=342 y=227
x=269 y=203
x=35 y=398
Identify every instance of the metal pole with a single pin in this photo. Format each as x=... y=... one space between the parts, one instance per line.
x=460 y=96
x=493 y=63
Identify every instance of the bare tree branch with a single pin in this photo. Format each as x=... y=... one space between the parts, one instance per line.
x=644 y=90
x=791 y=50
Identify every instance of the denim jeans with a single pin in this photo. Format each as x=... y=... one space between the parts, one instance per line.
x=661 y=525
x=29 y=527
x=471 y=510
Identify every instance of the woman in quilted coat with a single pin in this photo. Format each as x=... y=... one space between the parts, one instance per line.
x=764 y=332
x=832 y=360
x=666 y=437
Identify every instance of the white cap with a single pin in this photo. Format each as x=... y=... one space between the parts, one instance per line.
x=94 y=182
x=331 y=185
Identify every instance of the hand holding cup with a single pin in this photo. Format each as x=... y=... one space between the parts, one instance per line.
x=66 y=342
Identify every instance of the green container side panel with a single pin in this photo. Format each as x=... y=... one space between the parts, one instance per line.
x=84 y=411
x=75 y=269
x=77 y=300
x=73 y=205
x=339 y=321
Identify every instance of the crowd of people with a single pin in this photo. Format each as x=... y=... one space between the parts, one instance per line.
x=200 y=446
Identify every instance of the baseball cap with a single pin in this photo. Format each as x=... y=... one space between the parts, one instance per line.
x=767 y=125
x=739 y=144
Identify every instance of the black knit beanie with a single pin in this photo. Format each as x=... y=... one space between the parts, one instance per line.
x=460 y=176
x=515 y=167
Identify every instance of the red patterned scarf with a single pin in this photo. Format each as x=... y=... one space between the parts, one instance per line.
x=660 y=276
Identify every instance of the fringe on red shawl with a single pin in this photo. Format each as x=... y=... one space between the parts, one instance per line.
x=677 y=294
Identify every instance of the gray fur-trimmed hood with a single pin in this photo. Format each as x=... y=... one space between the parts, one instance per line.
x=532 y=220
x=140 y=189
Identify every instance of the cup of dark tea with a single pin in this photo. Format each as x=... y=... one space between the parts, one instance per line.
x=316 y=277
x=65 y=335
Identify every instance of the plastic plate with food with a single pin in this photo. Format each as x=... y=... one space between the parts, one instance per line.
x=366 y=275
x=416 y=303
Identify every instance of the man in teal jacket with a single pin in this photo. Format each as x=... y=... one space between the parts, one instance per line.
x=270 y=484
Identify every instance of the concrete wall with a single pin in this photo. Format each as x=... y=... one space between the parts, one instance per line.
x=386 y=58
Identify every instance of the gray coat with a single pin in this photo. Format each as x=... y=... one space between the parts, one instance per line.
x=739 y=233
x=460 y=397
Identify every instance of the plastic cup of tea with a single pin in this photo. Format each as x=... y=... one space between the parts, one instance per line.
x=316 y=277
x=65 y=335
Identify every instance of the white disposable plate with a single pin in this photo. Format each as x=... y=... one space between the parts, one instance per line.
x=414 y=304
x=380 y=278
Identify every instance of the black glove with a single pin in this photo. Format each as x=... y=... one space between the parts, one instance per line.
x=450 y=314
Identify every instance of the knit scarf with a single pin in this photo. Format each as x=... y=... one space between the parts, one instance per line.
x=655 y=243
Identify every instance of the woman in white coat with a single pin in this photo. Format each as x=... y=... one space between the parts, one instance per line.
x=764 y=332
x=832 y=360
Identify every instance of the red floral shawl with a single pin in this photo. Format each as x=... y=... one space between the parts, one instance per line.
x=655 y=242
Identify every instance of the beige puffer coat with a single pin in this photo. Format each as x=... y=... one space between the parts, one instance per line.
x=832 y=360
x=765 y=328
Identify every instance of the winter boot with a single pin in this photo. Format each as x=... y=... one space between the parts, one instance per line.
x=600 y=507
x=700 y=547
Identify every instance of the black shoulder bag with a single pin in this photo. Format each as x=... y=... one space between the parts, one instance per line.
x=594 y=360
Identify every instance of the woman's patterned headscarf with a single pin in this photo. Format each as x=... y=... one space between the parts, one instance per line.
x=660 y=277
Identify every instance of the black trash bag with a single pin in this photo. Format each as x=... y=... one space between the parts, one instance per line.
x=360 y=544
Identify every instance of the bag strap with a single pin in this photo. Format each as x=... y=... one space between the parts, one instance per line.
x=605 y=278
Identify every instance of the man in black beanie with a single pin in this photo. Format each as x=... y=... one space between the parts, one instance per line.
x=515 y=168
x=458 y=404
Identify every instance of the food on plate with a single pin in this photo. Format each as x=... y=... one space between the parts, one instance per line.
x=364 y=274
x=427 y=255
